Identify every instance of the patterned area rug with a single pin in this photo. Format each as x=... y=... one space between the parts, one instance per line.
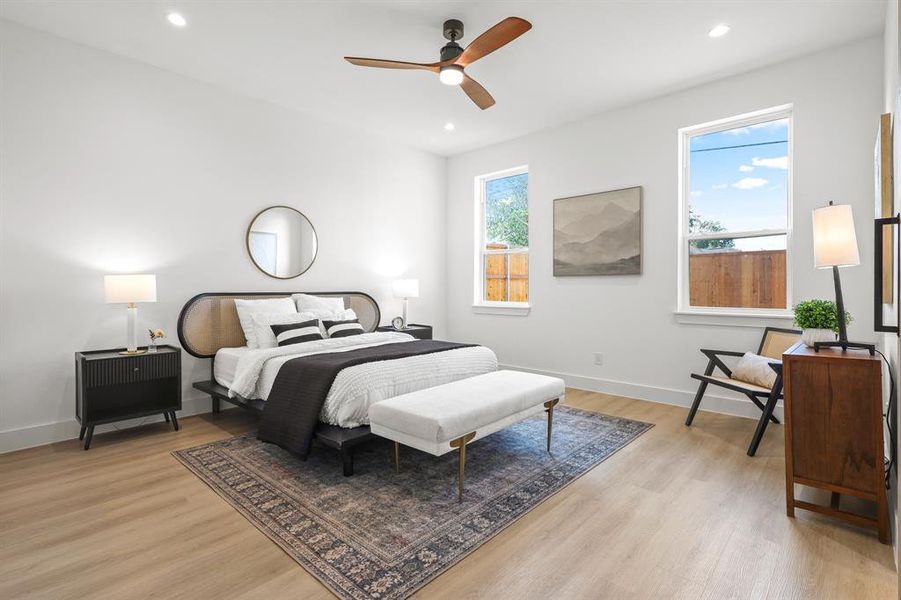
x=380 y=534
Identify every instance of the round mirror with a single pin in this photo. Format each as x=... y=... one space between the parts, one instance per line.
x=281 y=242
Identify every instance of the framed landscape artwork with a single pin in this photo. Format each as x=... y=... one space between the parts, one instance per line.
x=598 y=234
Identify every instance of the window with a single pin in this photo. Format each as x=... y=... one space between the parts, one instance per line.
x=502 y=239
x=735 y=204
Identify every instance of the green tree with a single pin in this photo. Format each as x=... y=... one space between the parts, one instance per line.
x=697 y=224
x=507 y=210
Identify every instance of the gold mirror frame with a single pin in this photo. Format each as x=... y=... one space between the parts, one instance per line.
x=250 y=254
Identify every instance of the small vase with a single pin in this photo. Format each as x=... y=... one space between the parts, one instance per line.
x=812 y=336
x=152 y=347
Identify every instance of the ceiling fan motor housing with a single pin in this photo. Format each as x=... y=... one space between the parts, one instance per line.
x=451 y=51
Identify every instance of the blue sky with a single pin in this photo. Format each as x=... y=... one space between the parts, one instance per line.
x=743 y=188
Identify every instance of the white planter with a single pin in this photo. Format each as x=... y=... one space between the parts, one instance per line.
x=811 y=336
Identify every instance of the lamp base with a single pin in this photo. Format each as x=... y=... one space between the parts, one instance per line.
x=845 y=346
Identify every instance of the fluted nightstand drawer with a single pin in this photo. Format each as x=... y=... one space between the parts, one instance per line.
x=130 y=369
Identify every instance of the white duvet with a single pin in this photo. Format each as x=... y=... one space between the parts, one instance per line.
x=356 y=388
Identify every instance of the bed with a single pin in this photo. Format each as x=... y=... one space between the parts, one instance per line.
x=208 y=327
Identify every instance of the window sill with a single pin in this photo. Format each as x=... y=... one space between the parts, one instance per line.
x=734 y=319
x=514 y=309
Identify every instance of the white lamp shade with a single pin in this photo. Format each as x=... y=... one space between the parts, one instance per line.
x=834 y=239
x=406 y=288
x=126 y=289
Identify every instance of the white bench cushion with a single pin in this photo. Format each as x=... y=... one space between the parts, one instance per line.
x=428 y=419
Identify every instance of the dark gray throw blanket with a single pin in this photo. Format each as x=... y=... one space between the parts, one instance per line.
x=292 y=410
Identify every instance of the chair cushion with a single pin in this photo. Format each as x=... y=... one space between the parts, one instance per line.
x=446 y=412
x=755 y=369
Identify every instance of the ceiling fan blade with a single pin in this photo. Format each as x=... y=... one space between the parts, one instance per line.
x=390 y=64
x=476 y=92
x=501 y=34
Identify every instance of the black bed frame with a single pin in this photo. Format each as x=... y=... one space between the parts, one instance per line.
x=345 y=440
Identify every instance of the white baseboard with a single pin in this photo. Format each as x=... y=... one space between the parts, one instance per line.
x=735 y=406
x=48 y=433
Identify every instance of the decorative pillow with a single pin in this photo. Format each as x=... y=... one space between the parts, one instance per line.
x=248 y=308
x=307 y=303
x=297 y=333
x=755 y=369
x=262 y=326
x=338 y=329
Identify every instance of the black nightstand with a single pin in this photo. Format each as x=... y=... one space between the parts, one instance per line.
x=114 y=387
x=420 y=332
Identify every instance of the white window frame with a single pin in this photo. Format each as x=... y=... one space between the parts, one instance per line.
x=736 y=314
x=479 y=303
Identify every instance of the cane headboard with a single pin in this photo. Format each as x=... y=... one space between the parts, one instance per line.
x=209 y=321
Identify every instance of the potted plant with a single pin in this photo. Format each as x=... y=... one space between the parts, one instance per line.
x=818 y=320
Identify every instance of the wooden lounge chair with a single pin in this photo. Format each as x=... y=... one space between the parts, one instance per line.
x=775 y=341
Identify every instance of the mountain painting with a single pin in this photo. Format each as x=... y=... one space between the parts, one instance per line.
x=598 y=234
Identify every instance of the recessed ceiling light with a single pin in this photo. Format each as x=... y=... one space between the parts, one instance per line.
x=719 y=31
x=176 y=19
x=449 y=127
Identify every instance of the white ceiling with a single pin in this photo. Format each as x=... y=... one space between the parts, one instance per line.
x=580 y=58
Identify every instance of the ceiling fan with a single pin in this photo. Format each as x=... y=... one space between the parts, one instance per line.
x=454 y=58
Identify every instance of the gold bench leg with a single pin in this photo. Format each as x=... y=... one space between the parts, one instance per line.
x=549 y=409
x=461 y=444
x=397 y=457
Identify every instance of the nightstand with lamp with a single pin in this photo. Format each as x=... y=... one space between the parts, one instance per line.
x=833 y=402
x=118 y=384
x=406 y=289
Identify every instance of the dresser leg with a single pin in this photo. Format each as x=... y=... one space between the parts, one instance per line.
x=83 y=429
x=88 y=436
x=166 y=416
x=216 y=407
x=174 y=420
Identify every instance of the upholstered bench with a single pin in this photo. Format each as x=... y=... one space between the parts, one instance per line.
x=439 y=419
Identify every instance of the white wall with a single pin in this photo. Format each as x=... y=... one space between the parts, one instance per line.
x=890 y=341
x=837 y=99
x=109 y=166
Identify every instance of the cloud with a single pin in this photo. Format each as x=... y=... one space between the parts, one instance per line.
x=777 y=162
x=720 y=186
x=749 y=183
x=745 y=168
x=696 y=193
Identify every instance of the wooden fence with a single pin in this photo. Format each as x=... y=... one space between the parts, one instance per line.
x=738 y=279
x=506 y=275
x=717 y=279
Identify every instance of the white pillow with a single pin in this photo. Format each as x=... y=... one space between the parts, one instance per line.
x=306 y=302
x=755 y=369
x=262 y=323
x=247 y=308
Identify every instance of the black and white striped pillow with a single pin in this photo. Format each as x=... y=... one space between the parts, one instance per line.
x=297 y=333
x=337 y=329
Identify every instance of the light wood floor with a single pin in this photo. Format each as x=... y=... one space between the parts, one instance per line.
x=678 y=513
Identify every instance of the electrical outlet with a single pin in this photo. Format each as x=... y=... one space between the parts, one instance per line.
x=599 y=358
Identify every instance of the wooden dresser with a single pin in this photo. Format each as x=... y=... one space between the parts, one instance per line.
x=833 y=431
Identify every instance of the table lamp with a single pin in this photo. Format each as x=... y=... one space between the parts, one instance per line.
x=406 y=289
x=130 y=289
x=835 y=246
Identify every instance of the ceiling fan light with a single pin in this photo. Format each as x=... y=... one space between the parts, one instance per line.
x=451 y=75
